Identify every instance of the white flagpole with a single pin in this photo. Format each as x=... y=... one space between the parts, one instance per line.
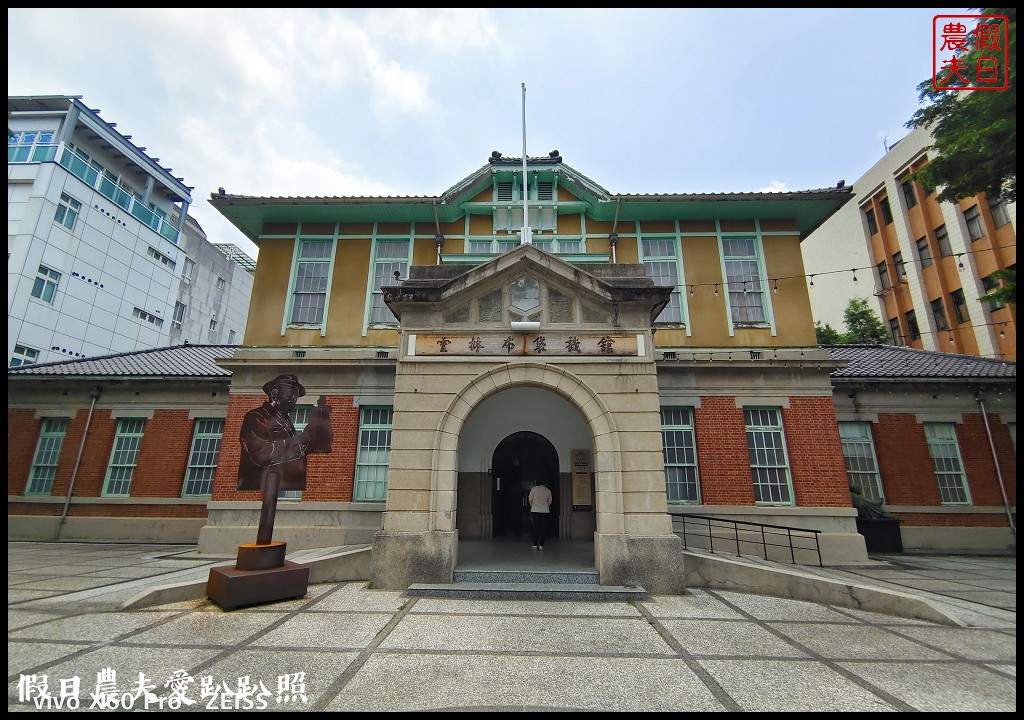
x=527 y=237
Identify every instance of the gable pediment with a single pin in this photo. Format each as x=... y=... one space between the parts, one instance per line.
x=526 y=285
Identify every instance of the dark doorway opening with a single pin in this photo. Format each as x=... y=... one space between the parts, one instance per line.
x=519 y=462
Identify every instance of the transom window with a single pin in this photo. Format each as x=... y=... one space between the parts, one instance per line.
x=312 y=268
x=44 y=463
x=373 y=454
x=45 y=286
x=861 y=463
x=769 y=464
x=124 y=457
x=390 y=257
x=743 y=280
x=948 y=465
x=202 y=459
x=682 y=482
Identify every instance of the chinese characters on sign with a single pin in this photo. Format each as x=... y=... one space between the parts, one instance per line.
x=139 y=693
x=970 y=52
x=553 y=344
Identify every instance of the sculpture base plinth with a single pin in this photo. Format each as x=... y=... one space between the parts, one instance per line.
x=232 y=588
x=252 y=556
x=881 y=535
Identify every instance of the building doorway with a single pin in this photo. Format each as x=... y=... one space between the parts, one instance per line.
x=519 y=461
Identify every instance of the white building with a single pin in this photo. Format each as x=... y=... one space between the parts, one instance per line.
x=98 y=260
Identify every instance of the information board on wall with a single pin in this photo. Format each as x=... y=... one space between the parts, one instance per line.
x=581 y=495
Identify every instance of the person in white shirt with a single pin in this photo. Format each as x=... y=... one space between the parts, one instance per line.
x=540 y=509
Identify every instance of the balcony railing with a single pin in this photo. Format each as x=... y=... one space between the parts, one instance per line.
x=80 y=168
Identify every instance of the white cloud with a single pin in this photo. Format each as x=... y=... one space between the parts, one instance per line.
x=773 y=186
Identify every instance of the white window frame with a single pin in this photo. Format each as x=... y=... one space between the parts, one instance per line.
x=382 y=274
x=657 y=266
x=187 y=269
x=46 y=284
x=1000 y=213
x=203 y=456
x=47 y=455
x=124 y=457
x=679 y=446
x=860 y=458
x=178 y=316
x=300 y=418
x=762 y=465
x=944 y=449
x=744 y=288
x=298 y=260
x=67 y=213
x=373 y=454
x=23 y=355
x=975 y=226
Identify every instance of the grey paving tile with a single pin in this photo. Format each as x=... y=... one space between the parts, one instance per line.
x=527 y=634
x=511 y=683
x=791 y=686
x=65 y=584
x=20 y=618
x=208 y=628
x=726 y=637
x=524 y=607
x=128 y=662
x=325 y=630
x=696 y=603
x=23 y=655
x=93 y=627
x=17 y=595
x=972 y=643
x=320 y=670
x=936 y=687
x=856 y=641
x=766 y=607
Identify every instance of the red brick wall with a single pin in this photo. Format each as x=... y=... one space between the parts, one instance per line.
x=95 y=454
x=329 y=478
x=163 y=455
x=22 y=436
x=815 y=453
x=904 y=464
x=722 y=453
x=978 y=463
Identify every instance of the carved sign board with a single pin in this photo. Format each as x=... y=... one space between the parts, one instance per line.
x=581 y=478
x=536 y=344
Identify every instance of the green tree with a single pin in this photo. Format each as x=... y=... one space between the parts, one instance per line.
x=863 y=326
x=1008 y=292
x=974 y=132
x=826 y=334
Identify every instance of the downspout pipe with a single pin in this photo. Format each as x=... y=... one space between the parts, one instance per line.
x=995 y=460
x=95 y=395
x=613 y=238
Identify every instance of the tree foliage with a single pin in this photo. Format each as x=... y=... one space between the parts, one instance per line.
x=1007 y=293
x=863 y=326
x=974 y=131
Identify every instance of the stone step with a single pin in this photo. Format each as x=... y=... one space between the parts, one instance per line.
x=559 y=577
x=527 y=591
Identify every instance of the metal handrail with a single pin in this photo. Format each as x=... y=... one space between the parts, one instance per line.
x=765 y=531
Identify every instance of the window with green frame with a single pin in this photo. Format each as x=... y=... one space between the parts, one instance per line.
x=947 y=463
x=682 y=480
x=202 y=459
x=312 y=271
x=769 y=463
x=742 y=260
x=44 y=462
x=390 y=257
x=373 y=454
x=300 y=418
x=661 y=261
x=861 y=462
x=124 y=457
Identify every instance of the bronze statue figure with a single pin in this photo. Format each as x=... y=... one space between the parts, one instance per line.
x=867 y=508
x=273 y=454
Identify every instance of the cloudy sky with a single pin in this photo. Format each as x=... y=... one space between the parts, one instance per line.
x=300 y=102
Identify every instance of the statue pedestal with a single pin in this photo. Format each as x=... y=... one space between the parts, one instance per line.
x=261 y=575
x=881 y=535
